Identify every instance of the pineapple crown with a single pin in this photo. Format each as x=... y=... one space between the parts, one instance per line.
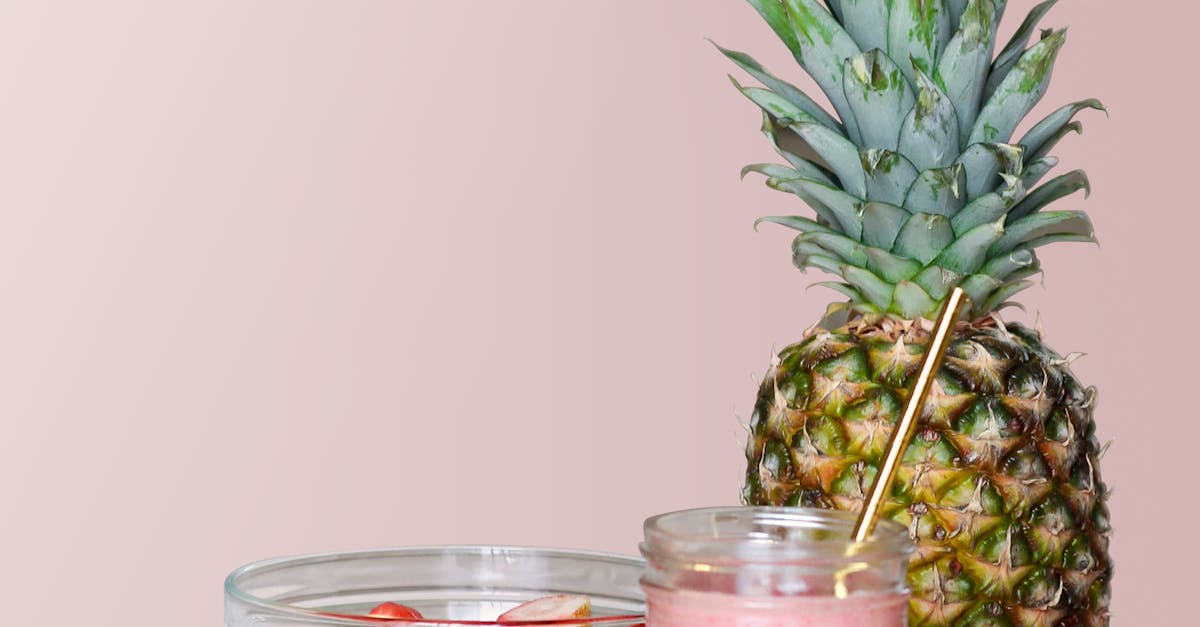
x=916 y=182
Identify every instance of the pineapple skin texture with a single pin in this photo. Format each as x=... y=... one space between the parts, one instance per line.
x=1000 y=488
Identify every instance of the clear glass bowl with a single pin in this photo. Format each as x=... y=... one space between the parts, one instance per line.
x=452 y=585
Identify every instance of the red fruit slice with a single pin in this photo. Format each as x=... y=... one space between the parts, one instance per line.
x=393 y=610
x=558 y=607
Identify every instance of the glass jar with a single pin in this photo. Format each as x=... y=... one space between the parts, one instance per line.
x=449 y=585
x=772 y=567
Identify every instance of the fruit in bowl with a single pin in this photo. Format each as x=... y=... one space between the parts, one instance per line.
x=552 y=608
x=393 y=610
x=558 y=607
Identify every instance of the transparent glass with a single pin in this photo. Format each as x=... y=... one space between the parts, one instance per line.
x=772 y=567
x=450 y=585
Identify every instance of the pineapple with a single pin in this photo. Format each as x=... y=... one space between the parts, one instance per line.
x=919 y=183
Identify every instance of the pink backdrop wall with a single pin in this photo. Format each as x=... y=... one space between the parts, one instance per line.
x=283 y=277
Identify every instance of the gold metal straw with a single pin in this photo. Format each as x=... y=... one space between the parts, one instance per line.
x=912 y=412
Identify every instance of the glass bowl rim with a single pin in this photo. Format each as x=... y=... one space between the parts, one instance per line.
x=236 y=592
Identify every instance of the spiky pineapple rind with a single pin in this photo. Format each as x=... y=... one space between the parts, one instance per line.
x=1000 y=488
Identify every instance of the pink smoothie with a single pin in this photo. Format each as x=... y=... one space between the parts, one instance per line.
x=683 y=608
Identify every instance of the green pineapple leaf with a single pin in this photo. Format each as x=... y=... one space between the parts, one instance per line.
x=890 y=267
x=789 y=92
x=865 y=20
x=781 y=172
x=983 y=210
x=889 y=175
x=1021 y=90
x=845 y=289
x=876 y=291
x=957 y=8
x=999 y=298
x=911 y=301
x=818 y=143
x=942 y=191
x=1042 y=137
x=985 y=163
x=1004 y=266
x=966 y=58
x=918 y=30
x=835 y=7
x=837 y=151
x=824 y=213
x=929 y=137
x=772 y=171
x=1035 y=171
x=840 y=246
x=1040 y=226
x=968 y=253
x=809 y=162
x=798 y=223
x=937 y=281
x=782 y=109
x=1024 y=273
x=979 y=287
x=1007 y=59
x=879 y=96
x=1052 y=191
x=831 y=204
x=776 y=16
x=924 y=237
x=882 y=223
x=823 y=45
x=806 y=255
x=1062 y=237
x=1073 y=127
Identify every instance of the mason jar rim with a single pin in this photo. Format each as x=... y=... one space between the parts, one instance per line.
x=232 y=589
x=724 y=538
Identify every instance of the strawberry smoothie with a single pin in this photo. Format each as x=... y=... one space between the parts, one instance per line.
x=682 y=608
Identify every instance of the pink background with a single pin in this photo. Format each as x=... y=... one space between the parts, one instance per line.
x=284 y=277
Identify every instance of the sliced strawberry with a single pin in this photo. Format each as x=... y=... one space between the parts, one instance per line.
x=558 y=607
x=393 y=610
